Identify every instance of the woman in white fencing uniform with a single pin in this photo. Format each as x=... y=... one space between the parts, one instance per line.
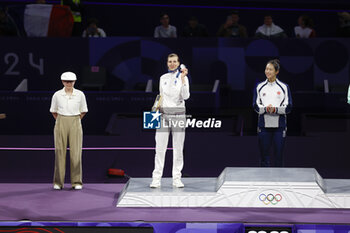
x=174 y=90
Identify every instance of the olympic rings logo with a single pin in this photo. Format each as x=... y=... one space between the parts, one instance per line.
x=270 y=198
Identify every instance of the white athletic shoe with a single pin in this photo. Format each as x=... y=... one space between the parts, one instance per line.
x=155 y=184
x=78 y=187
x=57 y=187
x=178 y=183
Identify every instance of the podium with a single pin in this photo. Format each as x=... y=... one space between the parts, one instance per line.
x=242 y=187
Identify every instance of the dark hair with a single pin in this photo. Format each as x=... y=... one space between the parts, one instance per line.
x=275 y=63
x=92 y=21
x=163 y=14
x=193 y=18
x=234 y=12
x=307 y=20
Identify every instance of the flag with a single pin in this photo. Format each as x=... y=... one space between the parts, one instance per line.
x=42 y=20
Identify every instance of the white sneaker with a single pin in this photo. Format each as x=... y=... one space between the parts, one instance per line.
x=178 y=183
x=78 y=187
x=57 y=187
x=155 y=184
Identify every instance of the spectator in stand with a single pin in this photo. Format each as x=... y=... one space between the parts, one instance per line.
x=305 y=28
x=231 y=28
x=194 y=29
x=165 y=30
x=344 y=24
x=40 y=1
x=93 y=30
x=76 y=7
x=7 y=25
x=269 y=29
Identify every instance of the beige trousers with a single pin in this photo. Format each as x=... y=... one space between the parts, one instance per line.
x=68 y=130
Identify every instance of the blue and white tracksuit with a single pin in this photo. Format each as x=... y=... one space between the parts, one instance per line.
x=272 y=127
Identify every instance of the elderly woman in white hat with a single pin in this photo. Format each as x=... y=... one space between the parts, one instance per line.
x=68 y=107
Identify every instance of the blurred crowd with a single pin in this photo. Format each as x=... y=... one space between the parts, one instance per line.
x=74 y=25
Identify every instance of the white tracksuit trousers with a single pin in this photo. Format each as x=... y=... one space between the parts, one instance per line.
x=162 y=138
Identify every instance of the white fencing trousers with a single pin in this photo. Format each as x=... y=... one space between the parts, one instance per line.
x=162 y=138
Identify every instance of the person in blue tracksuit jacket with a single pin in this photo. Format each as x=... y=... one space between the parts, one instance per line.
x=272 y=101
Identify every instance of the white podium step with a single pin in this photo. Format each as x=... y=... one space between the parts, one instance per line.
x=242 y=187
